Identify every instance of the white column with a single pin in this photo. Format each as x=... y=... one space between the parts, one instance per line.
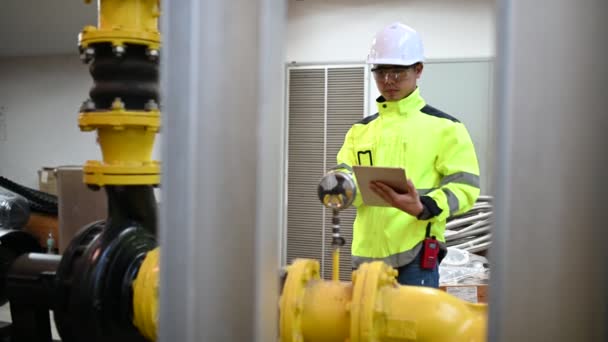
x=549 y=277
x=221 y=75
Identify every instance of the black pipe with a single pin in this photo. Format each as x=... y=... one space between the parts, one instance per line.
x=99 y=266
x=94 y=294
x=130 y=206
x=13 y=243
x=31 y=290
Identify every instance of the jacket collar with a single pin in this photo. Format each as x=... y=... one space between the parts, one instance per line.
x=409 y=104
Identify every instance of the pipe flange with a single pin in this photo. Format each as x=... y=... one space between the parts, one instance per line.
x=91 y=35
x=299 y=274
x=366 y=311
x=121 y=173
x=121 y=119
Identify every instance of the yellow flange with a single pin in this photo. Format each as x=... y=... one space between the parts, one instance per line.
x=292 y=299
x=367 y=281
x=91 y=35
x=145 y=296
x=121 y=22
x=374 y=308
x=100 y=174
x=126 y=139
x=120 y=119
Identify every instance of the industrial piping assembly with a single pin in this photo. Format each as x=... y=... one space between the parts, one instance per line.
x=105 y=286
x=372 y=308
x=91 y=287
x=98 y=271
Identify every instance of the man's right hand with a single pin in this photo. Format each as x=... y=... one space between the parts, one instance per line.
x=408 y=202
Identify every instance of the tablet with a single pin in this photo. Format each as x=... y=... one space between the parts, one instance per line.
x=391 y=176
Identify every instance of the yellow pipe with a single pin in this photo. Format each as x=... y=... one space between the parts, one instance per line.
x=373 y=308
x=424 y=314
x=132 y=15
x=123 y=22
x=325 y=317
x=130 y=145
x=336 y=264
x=126 y=137
x=145 y=296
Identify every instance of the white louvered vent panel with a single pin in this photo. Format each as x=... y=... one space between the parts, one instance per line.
x=305 y=163
x=310 y=139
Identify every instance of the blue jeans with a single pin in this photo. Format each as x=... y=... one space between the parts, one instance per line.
x=412 y=274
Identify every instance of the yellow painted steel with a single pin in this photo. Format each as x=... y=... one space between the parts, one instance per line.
x=386 y=311
x=100 y=174
x=121 y=22
x=145 y=296
x=126 y=137
x=118 y=120
x=336 y=264
x=373 y=308
x=300 y=273
x=325 y=312
x=127 y=140
x=129 y=145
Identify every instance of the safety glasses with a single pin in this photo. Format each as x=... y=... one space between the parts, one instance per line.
x=393 y=73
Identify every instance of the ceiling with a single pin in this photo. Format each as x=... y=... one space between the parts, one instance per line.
x=43 y=27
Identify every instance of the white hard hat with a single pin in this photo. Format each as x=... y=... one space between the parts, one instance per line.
x=396 y=44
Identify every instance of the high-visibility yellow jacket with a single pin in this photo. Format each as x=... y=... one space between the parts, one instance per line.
x=437 y=153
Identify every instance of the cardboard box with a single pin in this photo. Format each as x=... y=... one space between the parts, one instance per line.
x=470 y=293
x=47 y=180
x=78 y=205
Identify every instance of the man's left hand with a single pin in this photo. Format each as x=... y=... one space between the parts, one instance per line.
x=408 y=202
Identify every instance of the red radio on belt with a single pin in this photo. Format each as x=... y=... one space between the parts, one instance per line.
x=430 y=250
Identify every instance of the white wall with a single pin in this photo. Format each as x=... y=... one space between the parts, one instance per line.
x=342 y=30
x=40 y=99
x=40 y=96
x=453 y=31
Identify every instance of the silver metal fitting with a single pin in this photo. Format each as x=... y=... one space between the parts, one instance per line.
x=118 y=50
x=337 y=190
x=118 y=104
x=87 y=55
x=152 y=54
x=151 y=105
x=87 y=106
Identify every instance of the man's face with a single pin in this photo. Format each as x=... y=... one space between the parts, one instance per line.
x=396 y=82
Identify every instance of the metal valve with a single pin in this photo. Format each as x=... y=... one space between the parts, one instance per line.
x=336 y=191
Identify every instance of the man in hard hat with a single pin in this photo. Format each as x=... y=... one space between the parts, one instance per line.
x=433 y=147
